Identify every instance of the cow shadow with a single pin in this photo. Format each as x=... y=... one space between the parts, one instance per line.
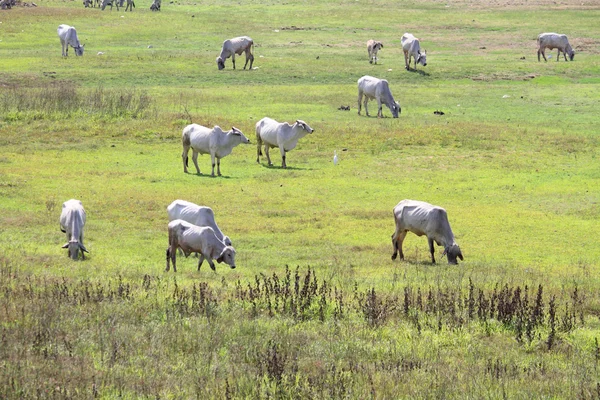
x=209 y=176
x=288 y=168
x=419 y=71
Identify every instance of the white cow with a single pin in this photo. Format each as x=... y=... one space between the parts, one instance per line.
x=213 y=141
x=72 y=220
x=379 y=89
x=234 y=46
x=412 y=48
x=279 y=134
x=373 y=46
x=197 y=215
x=191 y=238
x=68 y=37
x=554 y=41
x=424 y=219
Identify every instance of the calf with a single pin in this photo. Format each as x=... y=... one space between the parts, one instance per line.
x=72 y=220
x=421 y=219
x=554 y=41
x=191 y=238
x=373 y=46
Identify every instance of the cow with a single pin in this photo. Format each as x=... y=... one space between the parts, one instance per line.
x=279 y=134
x=68 y=37
x=421 y=219
x=203 y=240
x=197 y=215
x=379 y=89
x=109 y=3
x=155 y=6
x=88 y=3
x=213 y=141
x=554 y=41
x=373 y=46
x=234 y=46
x=72 y=221
x=412 y=48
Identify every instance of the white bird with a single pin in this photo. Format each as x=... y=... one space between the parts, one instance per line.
x=335 y=157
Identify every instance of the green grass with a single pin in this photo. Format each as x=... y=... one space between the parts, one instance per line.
x=518 y=176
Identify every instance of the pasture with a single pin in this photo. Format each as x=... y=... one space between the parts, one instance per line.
x=315 y=308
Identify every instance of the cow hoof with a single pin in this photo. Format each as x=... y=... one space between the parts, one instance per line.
x=394 y=256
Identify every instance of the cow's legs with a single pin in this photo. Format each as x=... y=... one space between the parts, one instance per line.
x=379 y=113
x=360 y=96
x=211 y=263
x=212 y=159
x=397 y=239
x=233 y=60
x=406 y=61
x=267 y=154
x=431 y=250
x=195 y=160
x=282 y=151
x=365 y=104
x=249 y=57
x=218 y=166
x=200 y=261
x=543 y=54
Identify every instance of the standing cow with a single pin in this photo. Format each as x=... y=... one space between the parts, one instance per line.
x=72 y=221
x=412 y=49
x=421 y=219
x=554 y=41
x=68 y=37
x=279 y=134
x=215 y=141
x=238 y=45
x=373 y=46
x=379 y=89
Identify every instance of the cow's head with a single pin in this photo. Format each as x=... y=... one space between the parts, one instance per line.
x=422 y=58
x=571 y=54
x=74 y=247
x=227 y=256
x=453 y=252
x=236 y=132
x=395 y=109
x=304 y=126
x=79 y=50
x=220 y=63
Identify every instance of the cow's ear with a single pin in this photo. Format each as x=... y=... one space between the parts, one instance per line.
x=83 y=45
x=461 y=256
x=65 y=246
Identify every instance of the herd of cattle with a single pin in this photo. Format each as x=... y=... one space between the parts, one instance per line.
x=193 y=229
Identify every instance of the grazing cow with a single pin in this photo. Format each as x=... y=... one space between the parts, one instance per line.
x=197 y=215
x=412 y=48
x=88 y=3
x=375 y=88
x=155 y=5
x=424 y=219
x=191 y=238
x=109 y=3
x=282 y=135
x=554 y=41
x=373 y=46
x=234 y=46
x=72 y=220
x=213 y=141
x=68 y=37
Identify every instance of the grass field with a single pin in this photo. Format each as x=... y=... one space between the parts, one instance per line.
x=316 y=308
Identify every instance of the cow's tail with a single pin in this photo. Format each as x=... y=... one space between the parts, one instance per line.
x=252 y=49
x=258 y=142
x=186 y=142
